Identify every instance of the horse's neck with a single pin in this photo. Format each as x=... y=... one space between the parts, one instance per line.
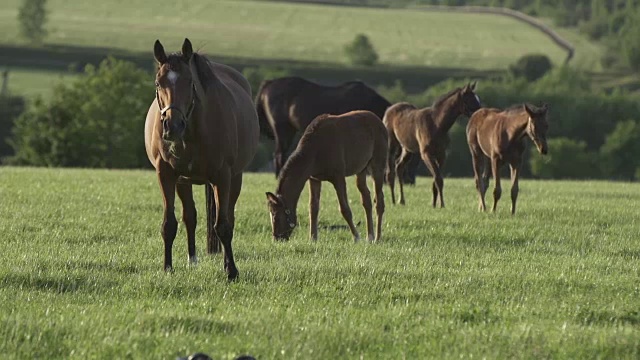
x=517 y=127
x=445 y=114
x=294 y=175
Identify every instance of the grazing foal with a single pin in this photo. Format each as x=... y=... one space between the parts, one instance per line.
x=425 y=131
x=498 y=136
x=332 y=148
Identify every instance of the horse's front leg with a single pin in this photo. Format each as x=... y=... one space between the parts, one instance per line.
x=168 y=178
x=189 y=217
x=341 y=190
x=314 y=207
x=224 y=228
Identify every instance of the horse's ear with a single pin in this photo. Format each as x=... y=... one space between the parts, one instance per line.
x=545 y=107
x=473 y=86
x=158 y=53
x=529 y=110
x=187 y=49
x=272 y=198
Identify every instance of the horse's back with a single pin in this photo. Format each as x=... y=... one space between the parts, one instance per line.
x=247 y=127
x=347 y=143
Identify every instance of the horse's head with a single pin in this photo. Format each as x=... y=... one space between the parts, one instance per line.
x=537 y=126
x=468 y=99
x=175 y=90
x=283 y=219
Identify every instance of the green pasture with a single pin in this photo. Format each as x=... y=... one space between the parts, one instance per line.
x=277 y=33
x=80 y=275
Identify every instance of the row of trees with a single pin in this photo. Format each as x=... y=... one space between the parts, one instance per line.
x=98 y=121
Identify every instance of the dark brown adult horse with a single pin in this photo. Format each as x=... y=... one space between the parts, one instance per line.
x=498 y=137
x=201 y=129
x=287 y=105
x=332 y=148
x=425 y=131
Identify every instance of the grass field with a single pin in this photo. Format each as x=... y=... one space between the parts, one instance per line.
x=269 y=31
x=80 y=275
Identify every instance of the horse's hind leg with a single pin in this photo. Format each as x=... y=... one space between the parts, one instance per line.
x=169 y=223
x=497 y=191
x=227 y=192
x=341 y=190
x=315 y=186
x=515 y=172
x=394 y=145
x=379 y=200
x=213 y=241
x=477 y=160
x=284 y=138
x=365 y=195
x=438 y=182
x=405 y=156
x=189 y=217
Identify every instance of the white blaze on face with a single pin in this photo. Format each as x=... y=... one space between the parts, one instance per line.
x=173 y=77
x=478 y=99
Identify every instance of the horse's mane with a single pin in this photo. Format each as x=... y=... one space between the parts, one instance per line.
x=514 y=109
x=444 y=97
x=203 y=73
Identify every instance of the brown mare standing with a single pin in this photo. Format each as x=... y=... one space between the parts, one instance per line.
x=332 y=148
x=425 y=131
x=498 y=137
x=201 y=129
x=287 y=105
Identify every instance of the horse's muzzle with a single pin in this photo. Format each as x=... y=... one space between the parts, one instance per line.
x=173 y=130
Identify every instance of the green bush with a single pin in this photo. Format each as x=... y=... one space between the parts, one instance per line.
x=566 y=159
x=361 y=52
x=96 y=121
x=10 y=108
x=621 y=151
x=531 y=67
x=32 y=17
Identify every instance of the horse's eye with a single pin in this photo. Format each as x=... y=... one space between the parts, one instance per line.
x=157 y=84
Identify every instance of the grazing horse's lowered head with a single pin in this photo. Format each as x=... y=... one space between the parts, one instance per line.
x=175 y=90
x=537 y=126
x=283 y=219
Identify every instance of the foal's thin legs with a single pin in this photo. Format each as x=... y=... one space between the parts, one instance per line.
x=477 y=161
x=405 y=156
x=189 y=217
x=365 y=195
x=379 y=199
x=341 y=190
x=497 y=191
x=438 y=182
x=515 y=173
x=314 y=207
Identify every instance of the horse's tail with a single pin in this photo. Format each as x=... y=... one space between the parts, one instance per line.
x=265 y=127
x=213 y=241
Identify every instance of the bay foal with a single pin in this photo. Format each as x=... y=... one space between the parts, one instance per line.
x=425 y=131
x=332 y=148
x=498 y=137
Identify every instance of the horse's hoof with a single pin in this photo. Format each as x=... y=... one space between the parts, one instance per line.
x=168 y=269
x=232 y=275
